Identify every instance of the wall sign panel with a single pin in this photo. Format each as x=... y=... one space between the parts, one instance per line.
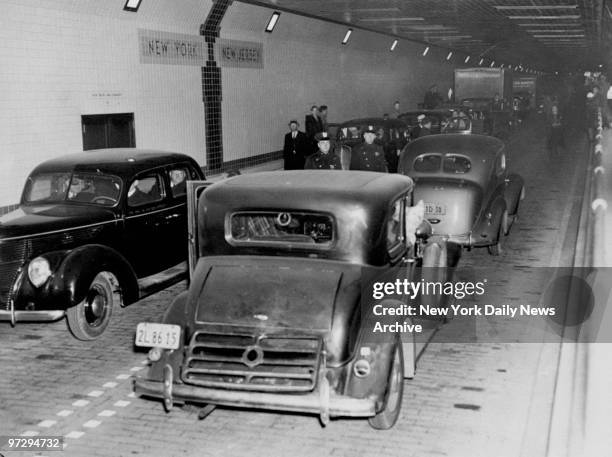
x=242 y=54
x=171 y=48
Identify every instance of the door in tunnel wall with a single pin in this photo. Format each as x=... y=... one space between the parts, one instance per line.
x=101 y=131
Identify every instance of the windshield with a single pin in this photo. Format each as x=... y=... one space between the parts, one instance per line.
x=58 y=187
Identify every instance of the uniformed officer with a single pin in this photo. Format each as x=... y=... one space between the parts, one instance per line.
x=426 y=129
x=368 y=156
x=416 y=130
x=323 y=159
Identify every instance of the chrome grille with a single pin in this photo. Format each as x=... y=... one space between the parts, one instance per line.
x=250 y=362
x=12 y=255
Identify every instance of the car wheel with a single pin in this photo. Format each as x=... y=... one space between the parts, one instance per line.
x=506 y=223
x=89 y=319
x=497 y=249
x=386 y=418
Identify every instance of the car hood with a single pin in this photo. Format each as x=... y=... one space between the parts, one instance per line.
x=275 y=295
x=42 y=219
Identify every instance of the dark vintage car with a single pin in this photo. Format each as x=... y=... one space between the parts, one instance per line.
x=94 y=230
x=443 y=120
x=392 y=135
x=273 y=316
x=470 y=198
x=487 y=118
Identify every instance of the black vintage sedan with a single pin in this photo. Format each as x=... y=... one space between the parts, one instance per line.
x=470 y=198
x=94 y=230
x=278 y=313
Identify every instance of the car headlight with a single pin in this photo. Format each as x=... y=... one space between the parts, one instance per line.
x=39 y=271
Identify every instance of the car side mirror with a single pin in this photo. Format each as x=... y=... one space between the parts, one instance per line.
x=424 y=230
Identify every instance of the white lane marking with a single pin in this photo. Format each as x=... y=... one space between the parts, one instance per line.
x=81 y=403
x=132 y=395
x=75 y=434
x=65 y=412
x=30 y=433
x=123 y=376
x=136 y=368
x=144 y=362
x=95 y=393
x=91 y=424
x=106 y=413
x=47 y=423
x=110 y=385
x=121 y=403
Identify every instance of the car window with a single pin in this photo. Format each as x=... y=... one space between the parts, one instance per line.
x=281 y=227
x=427 y=163
x=456 y=164
x=145 y=190
x=48 y=187
x=178 y=180
x=395 y=236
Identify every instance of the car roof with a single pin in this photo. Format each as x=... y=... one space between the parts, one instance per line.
x=374 y=121
x=118 y=161
x=458 y=143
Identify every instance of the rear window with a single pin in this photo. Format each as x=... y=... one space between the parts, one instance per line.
x=456 y=164
x=281 y=227
x=427 y=163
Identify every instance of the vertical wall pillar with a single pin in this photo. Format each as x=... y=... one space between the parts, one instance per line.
x=212 y=89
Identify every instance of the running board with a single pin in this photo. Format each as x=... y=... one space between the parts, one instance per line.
x=154 y=283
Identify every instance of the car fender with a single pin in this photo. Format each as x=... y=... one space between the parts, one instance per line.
x=80 y=266
x=380 y=357
x=486 y=230
x=514 y=185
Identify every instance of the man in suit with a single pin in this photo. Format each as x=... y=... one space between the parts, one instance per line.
x=296 y=147
x=314 y=125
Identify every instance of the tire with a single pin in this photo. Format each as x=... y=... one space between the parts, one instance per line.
x=88 y=320
x=497 y=248
x=388 y=416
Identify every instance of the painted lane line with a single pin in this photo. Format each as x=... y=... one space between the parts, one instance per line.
x=75 y=434
x=123 y=376
x=144 y=362
x=47 y=423
x=121 y=403
x=81 y=403
x=95 y=393
x=107 y=413
x=91 y=424
x=132 y=395
x=30 y=433
x=65 y=413
x=136 y=368
x=110 y=385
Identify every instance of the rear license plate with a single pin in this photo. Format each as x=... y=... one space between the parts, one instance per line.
x=164 y=336
x=435 y=209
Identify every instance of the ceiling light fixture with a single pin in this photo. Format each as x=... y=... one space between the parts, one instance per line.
x=467 y=59
x=132 y=5
x=393 y=45
x=347 y=36
x=272 y=22
x=492 y=64
x=426 y=51
x=450 y=54
x=568 y=16
x=481 y=61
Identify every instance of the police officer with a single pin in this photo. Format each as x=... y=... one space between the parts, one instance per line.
x=426 y=128
x=368 y=156
x=323 y=159
x=416 y=130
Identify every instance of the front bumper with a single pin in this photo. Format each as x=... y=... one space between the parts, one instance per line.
x=31 y=316
x=322 y=401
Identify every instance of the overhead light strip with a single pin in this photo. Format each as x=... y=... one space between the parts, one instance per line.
x=570 y=16
x=559 y=36
x=535 y=7
x=347 y=36
x=391 y=19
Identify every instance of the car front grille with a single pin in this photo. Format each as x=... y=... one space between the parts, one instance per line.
x=12 y=255
x=250 y=362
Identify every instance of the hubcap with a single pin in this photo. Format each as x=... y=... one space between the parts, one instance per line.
x=96 y=305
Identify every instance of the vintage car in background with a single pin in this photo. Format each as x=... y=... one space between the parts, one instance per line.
x=488 y=120
x=392 y=135
x=470 y=198
x=94 y=231
x=443 y=120
x=274 y=317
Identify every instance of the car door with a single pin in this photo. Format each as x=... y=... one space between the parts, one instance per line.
x=149 y=216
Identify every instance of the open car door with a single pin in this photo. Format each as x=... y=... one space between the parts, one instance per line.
x=194 y=190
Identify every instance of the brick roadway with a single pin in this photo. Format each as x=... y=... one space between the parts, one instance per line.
x=467 y=399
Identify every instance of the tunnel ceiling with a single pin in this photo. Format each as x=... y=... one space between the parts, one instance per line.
x=546 y=35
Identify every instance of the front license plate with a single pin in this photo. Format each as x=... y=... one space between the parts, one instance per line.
x=164 y=336
x=435 y=209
